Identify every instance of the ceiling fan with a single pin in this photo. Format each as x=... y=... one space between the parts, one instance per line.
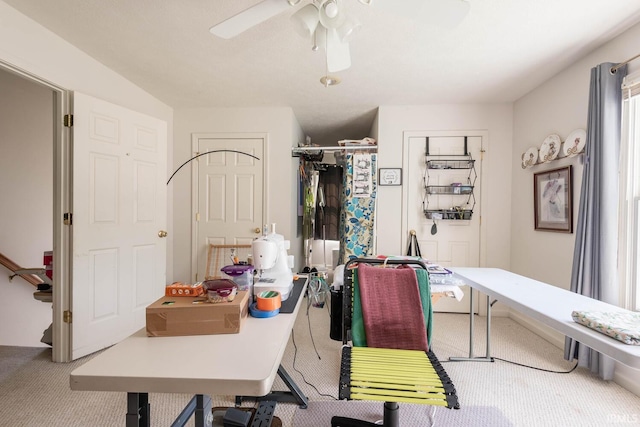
x=329 y=26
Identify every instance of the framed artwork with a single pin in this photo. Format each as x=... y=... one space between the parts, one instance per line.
x=552 y=200
x=390 y=176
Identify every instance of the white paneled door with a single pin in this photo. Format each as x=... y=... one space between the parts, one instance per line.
x=228 y=192
x=455 y=242
x=119 y=216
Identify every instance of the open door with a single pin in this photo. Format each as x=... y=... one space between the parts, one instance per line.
x=118 y=221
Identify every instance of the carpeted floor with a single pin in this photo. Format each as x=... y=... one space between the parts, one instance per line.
x=35 y=391
x=320 y=413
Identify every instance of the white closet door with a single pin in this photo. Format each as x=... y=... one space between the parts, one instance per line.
x=457 y=242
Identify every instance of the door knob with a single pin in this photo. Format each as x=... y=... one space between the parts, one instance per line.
x=162 y=233
x=257 y=230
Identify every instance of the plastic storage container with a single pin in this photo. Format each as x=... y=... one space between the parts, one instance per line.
x=242 y=275
x=335 y=331
x=220 y=290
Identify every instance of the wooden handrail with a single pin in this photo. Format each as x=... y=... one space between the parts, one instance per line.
x=34 y=280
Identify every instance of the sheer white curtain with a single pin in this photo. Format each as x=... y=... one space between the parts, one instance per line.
x=595 y=270
x=629 y=248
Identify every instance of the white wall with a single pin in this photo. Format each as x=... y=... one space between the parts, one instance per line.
x=283 y=132
x=32 y=48
x=26 y=228
x=393 y=121
x=557 y=106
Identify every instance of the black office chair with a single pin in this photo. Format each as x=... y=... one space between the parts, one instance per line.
x=383 y=307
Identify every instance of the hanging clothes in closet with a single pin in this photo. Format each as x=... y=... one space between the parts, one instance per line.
x=329 y=202
x=309 y=178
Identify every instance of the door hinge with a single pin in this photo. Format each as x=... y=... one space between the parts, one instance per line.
x=198 y=216
x=196 y=277
x=68 y=120
x=67 y=317
x=482 y=155
x=68 y=218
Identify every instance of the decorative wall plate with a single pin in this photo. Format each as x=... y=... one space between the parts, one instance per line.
x=550 y=148
x=575 y=142
x=530 y=157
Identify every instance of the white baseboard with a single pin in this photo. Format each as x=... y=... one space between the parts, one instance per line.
x=624 y=376
x=539 y=329
x=628 y=378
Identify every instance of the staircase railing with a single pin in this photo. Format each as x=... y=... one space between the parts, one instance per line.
x=15 y=268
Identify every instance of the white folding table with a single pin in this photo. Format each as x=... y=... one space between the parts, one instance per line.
x=243 y=364
x=546 y=303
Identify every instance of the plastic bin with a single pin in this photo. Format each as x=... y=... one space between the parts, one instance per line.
x=335 y=329
x=242 y=275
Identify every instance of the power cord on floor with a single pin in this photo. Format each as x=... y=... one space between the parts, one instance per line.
x=311 y=333
x=432 y=416
x=523 y=365
x=295 y=354
x=536 y=368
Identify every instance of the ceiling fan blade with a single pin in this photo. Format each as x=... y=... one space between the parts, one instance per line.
x=338 y=54
x=248 y=18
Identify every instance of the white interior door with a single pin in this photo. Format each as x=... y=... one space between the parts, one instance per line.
x=456 y=242
x=228 y=193
x=119 y=208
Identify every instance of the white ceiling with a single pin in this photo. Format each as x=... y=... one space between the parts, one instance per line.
x=500 y=51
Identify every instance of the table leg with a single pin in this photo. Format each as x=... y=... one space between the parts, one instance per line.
x=138 y=410
x=487 y=357
x=293 y=395
x=201 y=406
x=204 y=414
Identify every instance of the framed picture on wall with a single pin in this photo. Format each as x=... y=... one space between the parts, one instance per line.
x=552 y=200
x=390 y=176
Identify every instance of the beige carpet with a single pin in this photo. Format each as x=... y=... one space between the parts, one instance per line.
x=35 y=391
x=320 y=413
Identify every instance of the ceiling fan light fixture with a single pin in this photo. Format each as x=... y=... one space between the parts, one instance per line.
x=331 y=14
x=305 y=21
x=331 y=9
x=329 y=80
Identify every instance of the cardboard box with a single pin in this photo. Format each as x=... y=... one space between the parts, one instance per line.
x=177 y=316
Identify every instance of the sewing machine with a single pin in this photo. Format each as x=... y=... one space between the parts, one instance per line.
x=273 y=264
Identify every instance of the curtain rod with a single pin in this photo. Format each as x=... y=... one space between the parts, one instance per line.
x=615 y=67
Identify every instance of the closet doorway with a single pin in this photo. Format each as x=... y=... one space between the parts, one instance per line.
x=326 y=224
x=448 y=242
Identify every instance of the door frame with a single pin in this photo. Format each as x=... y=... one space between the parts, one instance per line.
x=62 y=149
x=195 y=138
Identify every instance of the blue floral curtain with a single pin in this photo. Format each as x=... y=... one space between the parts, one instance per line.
x=358 y=206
